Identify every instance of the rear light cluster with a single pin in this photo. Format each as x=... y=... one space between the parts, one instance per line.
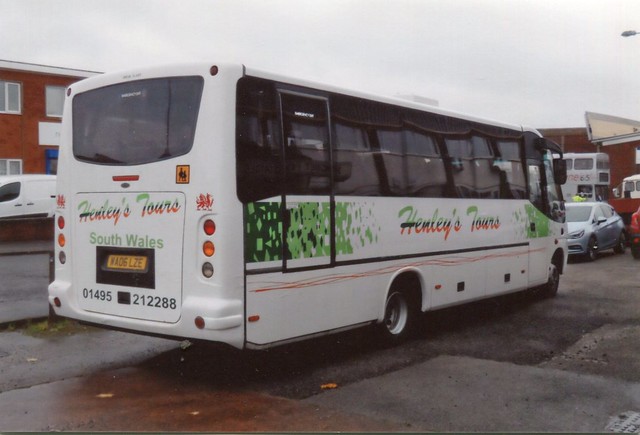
x=208 y=247
x=62 y=240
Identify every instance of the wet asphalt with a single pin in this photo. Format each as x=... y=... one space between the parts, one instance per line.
x=87 y=379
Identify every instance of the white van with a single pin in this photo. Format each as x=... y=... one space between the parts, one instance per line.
x=27 y=195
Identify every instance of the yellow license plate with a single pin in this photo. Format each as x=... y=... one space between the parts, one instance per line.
x=136 y=263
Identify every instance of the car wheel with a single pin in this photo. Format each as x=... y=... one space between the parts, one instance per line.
x=592 y=249
x=635 y=251
x=621 y=246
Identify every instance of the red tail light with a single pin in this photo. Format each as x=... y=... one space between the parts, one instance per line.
x=209 y=227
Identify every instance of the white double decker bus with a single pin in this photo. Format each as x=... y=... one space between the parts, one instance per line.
x=588 y=176
x=228 y=204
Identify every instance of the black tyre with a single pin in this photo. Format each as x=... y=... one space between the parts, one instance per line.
x=635 y=251
x=592 y=249
x=621 y=245
x=400 y=315
x=550 y=289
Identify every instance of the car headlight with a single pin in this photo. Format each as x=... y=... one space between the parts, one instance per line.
x=576 y=234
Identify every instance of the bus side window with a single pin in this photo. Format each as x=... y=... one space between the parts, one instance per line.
x=472 y=162
x=258 y=152
x=460 y=154
x=355 y=172
x=425 y=170
x=486 y=179
x=510 y=163
x=535 y=190
x=392 y=159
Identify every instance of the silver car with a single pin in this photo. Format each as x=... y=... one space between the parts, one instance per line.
x=593 y=228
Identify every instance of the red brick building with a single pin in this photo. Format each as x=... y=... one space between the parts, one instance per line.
x=31 y=100
x=622 y=157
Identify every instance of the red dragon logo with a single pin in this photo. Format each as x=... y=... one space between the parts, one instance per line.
x=204 y=202
x=61 y=201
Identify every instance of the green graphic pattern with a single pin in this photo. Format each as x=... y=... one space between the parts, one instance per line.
x=263 y=232
x=524 y=219
x=309 y=232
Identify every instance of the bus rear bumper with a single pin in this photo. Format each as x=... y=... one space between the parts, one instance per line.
x=222 y=319
x=214 y=314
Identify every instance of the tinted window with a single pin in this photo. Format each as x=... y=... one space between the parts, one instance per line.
x=258 y=141
x=513 y=182
x=421 y=144
x=355 y=171
x=9 y=191
x=472 y=164
x=390 y=141
x=136 y=122
x=306 y=145
x=370 y=149
x=426 y=174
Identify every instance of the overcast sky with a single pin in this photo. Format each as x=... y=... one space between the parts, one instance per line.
x=541 y=63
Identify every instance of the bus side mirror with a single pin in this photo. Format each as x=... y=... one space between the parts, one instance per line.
x=560 y=171
x=616 y=192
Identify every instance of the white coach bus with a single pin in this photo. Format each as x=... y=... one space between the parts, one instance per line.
x=228 y=204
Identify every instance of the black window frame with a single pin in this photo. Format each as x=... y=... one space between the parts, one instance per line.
x=386 y=168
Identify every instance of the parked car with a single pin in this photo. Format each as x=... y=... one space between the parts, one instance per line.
x=594 y=227
x=27 y=195
x=634 y=237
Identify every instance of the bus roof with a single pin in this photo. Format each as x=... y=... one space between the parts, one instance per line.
x=384 y=99
x=203 y=68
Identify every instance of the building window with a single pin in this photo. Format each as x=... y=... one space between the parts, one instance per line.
x=10 y=97
x=55 y=100
x=51 y=161
x=10 y=166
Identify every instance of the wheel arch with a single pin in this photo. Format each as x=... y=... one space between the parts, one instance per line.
x=407 y=279
x=559 y=258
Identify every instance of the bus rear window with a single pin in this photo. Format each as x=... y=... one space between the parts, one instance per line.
x=136 y=122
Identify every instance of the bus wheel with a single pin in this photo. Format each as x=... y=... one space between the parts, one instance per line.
x=550 y=289
x=400 y=316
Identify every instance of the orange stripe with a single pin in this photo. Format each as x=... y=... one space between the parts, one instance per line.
x=330 y=279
